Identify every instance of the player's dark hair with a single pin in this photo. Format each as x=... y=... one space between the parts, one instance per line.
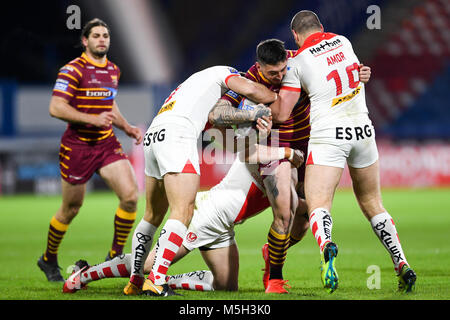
x=305 y=21
x=96 y=22
x=271 y=51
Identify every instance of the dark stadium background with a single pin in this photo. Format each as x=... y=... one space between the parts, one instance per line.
x=157 y=44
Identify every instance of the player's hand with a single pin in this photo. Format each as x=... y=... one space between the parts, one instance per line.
x=364 y=73
x=264 y=125
x=104 y=119
x=135 y=133
x=260 y=111
x=297 y=158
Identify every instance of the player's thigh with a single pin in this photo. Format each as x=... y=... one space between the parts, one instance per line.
x=224 y=265
x=156 y=203
x=366 y=186
x=320 y=184
x=120 y=177
x=72 y=200
x=278 y=187
x=181 y=189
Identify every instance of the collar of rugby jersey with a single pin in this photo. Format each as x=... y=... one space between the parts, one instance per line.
x=85 y=56
x=315 y=38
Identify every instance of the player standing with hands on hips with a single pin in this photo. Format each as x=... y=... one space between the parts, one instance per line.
x=172 y=166
x=83 y=97
x=326 y=68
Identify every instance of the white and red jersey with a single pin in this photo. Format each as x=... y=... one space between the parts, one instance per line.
x=190 y=103
x=239 y=196
x=326 y=68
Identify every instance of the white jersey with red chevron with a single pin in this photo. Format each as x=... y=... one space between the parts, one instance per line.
x=239 y=195
x=326 y=68
x=192 y=100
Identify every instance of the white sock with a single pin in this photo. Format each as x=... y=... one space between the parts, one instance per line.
x=201 y=280
x=321 y=226
x=140 y=248
x=119 y=267
x=384 y=228
x=169 y=242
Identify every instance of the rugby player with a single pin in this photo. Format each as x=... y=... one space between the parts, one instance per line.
x=278 y=176
x=83 y=96
x=239 y=196
x=326 y=68
x=172 y=166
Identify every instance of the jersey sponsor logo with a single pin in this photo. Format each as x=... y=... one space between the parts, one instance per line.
x=61 y=85
x=245 y=105
x=232 y=94
x=109 y=94
x=348 y=133
x=233 y=70
x=114 y=79
x=345 y=98
x=167 y=107
x=324 y=47
x=66 y=69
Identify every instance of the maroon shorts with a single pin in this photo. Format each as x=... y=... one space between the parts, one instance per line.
x=79 y=162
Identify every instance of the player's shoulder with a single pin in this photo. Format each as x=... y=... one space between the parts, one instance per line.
x=112 y=66
x=224 y=69
x=290 y=53
x=74 y=68
x=252 y=73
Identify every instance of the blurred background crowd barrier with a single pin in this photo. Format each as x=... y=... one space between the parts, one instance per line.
x=157 y=44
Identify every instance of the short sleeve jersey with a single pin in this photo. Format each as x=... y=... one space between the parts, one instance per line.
x=293 y=131
x=326 y=68
x=191 y=102
x=90 y=88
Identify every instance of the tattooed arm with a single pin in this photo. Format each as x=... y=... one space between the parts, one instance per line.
x=224 y=114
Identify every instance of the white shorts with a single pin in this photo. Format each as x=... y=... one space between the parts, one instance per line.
x=352 y=142
x=170 y=148
x=206 y=229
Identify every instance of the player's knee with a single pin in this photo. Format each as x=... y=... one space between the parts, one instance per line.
x=68 y=212
x=129 y=202
x=225 y=286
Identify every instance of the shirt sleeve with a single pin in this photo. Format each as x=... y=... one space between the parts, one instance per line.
x=292 y=80
x=232 y=97
x=67 y=82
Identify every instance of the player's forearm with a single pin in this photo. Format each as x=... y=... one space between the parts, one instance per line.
x=258 y=153
x=259 y=93
x=252 y=90
x=60 y=109
x=119 y=122
x=224 y=114
x=283 y=106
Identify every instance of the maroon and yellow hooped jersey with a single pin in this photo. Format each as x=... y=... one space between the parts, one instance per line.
x=90 y=88
x=294 y=132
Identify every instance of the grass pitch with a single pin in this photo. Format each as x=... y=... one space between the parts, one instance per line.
x=422 y=217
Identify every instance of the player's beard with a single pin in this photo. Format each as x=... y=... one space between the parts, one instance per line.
x=98 y=53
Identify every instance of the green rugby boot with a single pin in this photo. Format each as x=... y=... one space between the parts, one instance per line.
x=329 y=274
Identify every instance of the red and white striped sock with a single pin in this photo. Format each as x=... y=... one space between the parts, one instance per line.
x=169 y=242
x=384 y=228
x=201 y=280
x=321 y=226
x=118 y=267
